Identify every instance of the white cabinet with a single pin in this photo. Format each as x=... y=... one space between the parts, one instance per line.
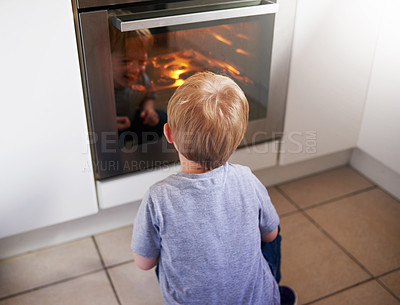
x=132 y=187
x=377 y=156
x=380 y=129
x=46 y=175
x=333 y=49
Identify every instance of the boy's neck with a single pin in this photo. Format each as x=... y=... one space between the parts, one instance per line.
x=190 y=167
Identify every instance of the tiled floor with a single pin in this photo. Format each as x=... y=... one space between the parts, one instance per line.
x=341 y=245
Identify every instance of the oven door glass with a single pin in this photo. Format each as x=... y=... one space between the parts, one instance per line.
x=238 y=47
x=151 y=58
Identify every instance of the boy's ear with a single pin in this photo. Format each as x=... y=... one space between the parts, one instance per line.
x=168 y=133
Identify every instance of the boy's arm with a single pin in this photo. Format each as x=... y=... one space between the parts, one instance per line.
x=145 y=237
x=270 y=236
x=144 y=263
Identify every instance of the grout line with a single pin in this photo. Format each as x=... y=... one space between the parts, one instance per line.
x=380 y=282
x=106 y=271
x=288 y=214
x=316 y=224
x=304 y=212
x=323 y=202
x=309 y=175
x=104 y=268
x=120 y=264
x=319 y=227
x=288 y=198
x=362 y=175
x=388 y=272
x=370 y=188
x=387 y=289
x=339 y=291
x=354 y=286
x=49 y=284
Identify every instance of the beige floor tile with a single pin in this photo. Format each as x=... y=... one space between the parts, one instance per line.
x=282 y=205
x=311 y=263
x=367 y=225
x=318 y=188
x=86 y=290
x=392 y=282
x=135 y=286
x=115 y=246
x=47 y=266
x=370 y=293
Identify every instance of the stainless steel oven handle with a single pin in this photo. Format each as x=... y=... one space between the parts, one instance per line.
x=265 y=7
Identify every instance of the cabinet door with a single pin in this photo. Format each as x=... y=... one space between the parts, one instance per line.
x=46 y=175
x=332 y=55
x=379 y=135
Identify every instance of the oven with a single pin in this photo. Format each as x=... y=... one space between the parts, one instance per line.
x=134 y=54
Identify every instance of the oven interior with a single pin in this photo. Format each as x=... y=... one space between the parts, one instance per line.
x=239 y=48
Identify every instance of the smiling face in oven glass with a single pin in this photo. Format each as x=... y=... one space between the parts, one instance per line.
x=129 y=64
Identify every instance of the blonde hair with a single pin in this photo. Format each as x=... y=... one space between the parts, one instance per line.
x=143 y=39
x=208 y=117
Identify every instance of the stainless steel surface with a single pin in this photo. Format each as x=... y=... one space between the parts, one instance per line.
x=280 y=66
x=87 y=4
x=264 y=8
x=98 y=76
x=97 y=72
x=109 y=159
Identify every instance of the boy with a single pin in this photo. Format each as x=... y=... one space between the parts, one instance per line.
x=204 y=225
x=134 y=93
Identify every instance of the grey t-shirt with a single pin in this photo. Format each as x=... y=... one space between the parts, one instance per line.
x=206 y=230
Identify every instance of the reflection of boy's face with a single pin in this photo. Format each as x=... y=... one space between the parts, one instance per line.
x=128 y=65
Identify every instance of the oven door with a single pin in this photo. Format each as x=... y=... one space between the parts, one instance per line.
x=233 y=39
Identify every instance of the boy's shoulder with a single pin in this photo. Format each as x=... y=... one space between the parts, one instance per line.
x=239 y=167
x=176 y=180
x=240 y=170
x=166 y=183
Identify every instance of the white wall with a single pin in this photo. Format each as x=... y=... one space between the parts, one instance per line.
x=380 y=129
x=43 y=127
